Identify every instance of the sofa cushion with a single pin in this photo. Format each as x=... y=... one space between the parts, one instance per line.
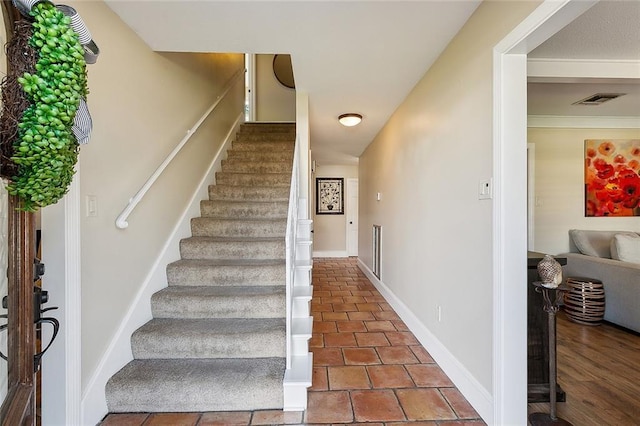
x=626 y=248
x=595 y=243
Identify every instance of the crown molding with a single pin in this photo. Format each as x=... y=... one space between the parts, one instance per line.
x=575 y=69
x=583 y=122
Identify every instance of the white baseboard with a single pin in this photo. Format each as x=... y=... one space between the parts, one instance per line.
x=331 y=253
x=477 y=395
x=118 y=353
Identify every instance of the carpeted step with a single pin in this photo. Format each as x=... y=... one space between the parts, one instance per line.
x=243 y=166
x=263 y=127
x=214 y=227
x=197 y=272
x=248 y=193
x=265 y=137
x=164 y=338
x=244 y=209
x=219 y=302
x=253 y=179
x=197 y=385
x=240 y=145
x=232 y=248
x=259 y=156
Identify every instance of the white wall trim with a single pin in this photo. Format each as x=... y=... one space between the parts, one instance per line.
x=61 y=375
x=509 y=204
x=583 y=122
x=73 y=302
x=118 y=353
x=582 y=68
x=477 y=395
x=531 y=195
x=330 y=253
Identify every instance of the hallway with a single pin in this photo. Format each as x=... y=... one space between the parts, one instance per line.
x=368 y=368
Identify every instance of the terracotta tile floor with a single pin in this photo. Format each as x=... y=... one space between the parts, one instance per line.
x=368 y=368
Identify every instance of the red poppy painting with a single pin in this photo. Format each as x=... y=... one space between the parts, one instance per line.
x=612 y=177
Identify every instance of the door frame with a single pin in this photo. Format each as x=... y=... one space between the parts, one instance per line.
x=19 y=405
x=349 y=208
x=61 y=372
x=510 y=202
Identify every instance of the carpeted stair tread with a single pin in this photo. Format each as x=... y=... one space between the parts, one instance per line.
x=197 y=385
x=219 y=302
x=248 y=192
x=234 y=166
x=244 y=209
x=257 y=145
x=226 y=272
x=216 y=227
x=271 y=137
x=251 y=179
x=232 y=248
x=164 y=338
x=262 y=155
x=266 y=126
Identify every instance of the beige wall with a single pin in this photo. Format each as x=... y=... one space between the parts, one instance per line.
x=142 y=103
x=274 y=102
x=329 y=231
x=427 y=162
x=559 y=186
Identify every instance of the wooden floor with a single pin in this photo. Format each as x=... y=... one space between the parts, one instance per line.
x=599 y=369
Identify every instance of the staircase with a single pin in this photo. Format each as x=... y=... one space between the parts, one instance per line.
x=217 y=340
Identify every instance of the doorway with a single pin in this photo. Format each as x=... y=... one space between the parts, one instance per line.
x=510 y=203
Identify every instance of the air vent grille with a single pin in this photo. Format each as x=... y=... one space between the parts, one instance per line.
x=598 y=98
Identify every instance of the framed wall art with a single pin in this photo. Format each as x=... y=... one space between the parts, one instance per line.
x=611 y=177
x=329 y=195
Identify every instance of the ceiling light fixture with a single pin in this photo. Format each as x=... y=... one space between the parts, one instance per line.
x=350 y=119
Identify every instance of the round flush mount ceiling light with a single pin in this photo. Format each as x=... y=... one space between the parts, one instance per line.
x=351 y=119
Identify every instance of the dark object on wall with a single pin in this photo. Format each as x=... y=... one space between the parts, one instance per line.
x=329 y=196
x=283 y=70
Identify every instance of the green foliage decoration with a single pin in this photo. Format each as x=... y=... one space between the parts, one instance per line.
x=46 y=149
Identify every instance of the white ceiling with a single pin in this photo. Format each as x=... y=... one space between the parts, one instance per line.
x=366 y=56
x=349 y=56
x=607 y=32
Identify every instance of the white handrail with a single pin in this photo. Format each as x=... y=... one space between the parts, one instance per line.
x=121 y=220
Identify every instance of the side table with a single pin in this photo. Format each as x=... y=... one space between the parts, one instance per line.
x=552 y=298
x=584 y=303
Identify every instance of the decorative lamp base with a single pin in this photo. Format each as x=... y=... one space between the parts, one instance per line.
x=544 y=419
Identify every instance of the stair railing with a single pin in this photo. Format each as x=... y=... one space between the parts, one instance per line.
x=121 y=220
x=290 y=248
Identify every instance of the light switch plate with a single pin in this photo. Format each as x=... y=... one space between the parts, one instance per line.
x=485 y=189
x=92 y=206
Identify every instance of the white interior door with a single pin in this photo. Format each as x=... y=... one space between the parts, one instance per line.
x=352 y=217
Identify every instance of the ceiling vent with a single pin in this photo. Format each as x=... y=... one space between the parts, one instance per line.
x=598 y=98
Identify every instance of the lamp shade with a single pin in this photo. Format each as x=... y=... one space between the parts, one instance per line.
x=349 y=120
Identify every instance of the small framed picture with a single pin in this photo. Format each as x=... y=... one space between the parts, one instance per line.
x=329 y=195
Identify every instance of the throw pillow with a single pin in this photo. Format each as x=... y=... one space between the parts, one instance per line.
x=594 y=243
x=626 y=247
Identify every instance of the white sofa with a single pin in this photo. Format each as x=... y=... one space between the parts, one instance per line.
x=597 y=254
